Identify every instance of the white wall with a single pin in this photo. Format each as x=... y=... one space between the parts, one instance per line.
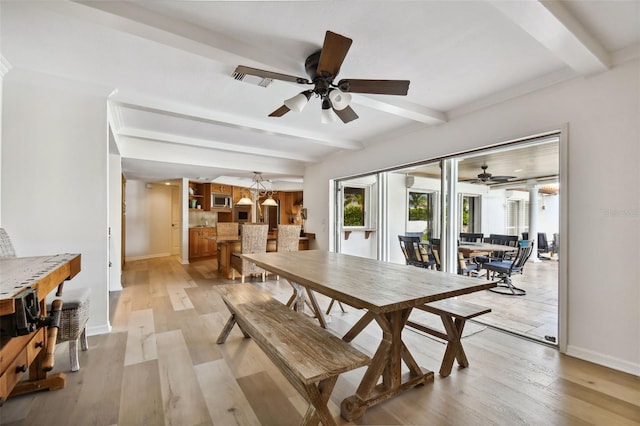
x=147 y=220
x=548 y=215
x=115 y=221
x=603 y=118
x=396 y=215
x=54 y=176
x=494 y=213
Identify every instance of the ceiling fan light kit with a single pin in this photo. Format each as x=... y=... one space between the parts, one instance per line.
x=327 y=115
x=339 y=100
x=323 y=67
x=299 y=101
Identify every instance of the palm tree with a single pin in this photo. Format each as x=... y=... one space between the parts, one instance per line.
x=353 y=199
x=418 y=206
x=417 y=200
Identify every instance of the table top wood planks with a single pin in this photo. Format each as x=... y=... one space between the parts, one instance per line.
x=388 y=292
x=366 y=283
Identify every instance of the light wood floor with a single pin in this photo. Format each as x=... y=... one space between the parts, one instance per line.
x=161 y=366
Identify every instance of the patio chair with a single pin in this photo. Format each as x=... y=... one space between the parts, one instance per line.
x=470 y=237
x=499 y=239
x=505 y=268
x=434 y=246
x=543 y=244
x=414 y=253
x=466 y=266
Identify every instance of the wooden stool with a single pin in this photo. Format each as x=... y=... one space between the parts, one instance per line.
x=73 y=321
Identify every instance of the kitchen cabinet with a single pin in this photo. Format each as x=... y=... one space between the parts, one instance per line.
x=199 y=244
x=200 y=194
x=218 y=188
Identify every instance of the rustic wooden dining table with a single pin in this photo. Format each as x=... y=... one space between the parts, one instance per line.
x=388 y=292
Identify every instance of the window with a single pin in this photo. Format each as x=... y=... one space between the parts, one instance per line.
x=517 y=216
x=421 y=212
x=470 y=213
x=419 y=206
x=513 y=216
x=353 y=206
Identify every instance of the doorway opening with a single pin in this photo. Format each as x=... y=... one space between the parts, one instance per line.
x=512 y=189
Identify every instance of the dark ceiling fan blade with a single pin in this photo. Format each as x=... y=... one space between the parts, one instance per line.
x=280 y=111
x=347 y=114
x=501 y=178
x=334 y=50
x=379 y=87
x=241 y=70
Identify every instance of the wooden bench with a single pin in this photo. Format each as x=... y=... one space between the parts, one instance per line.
x=310 y=357
x=454 y=314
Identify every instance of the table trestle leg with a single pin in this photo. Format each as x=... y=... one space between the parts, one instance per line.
x=358 y=327
x=386 y=363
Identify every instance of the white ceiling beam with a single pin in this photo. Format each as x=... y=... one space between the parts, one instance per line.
x=402 y=108
x=162 y=106
x=556 y=29
x=128 y=18
x=210 y=144
x=142 y=149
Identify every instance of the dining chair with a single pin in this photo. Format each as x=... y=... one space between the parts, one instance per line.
x=6 y=247
x=505 y=268
x=288 y=239
x=253 y=240
x=227 y=229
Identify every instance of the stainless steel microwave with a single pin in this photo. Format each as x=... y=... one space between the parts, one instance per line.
x=220 y=201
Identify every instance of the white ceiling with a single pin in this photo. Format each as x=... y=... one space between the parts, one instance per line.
x=176 y=111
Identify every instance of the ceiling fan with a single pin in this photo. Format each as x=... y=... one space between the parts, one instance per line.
x=486 y=177
x=323 y=67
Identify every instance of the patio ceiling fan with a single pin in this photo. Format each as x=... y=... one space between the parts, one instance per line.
x=323 y=67
x=486 y=177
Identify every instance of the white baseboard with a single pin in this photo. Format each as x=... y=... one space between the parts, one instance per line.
x=99 y=329
x=147 y=256
x=605 y=360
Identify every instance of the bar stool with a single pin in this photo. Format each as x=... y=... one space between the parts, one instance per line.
x=73 y=321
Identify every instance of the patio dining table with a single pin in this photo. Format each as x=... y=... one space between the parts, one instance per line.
x=480 y=249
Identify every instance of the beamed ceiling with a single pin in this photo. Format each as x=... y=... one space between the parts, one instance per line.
x=176 y=111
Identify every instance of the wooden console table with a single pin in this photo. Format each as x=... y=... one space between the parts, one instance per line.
x=17 y=354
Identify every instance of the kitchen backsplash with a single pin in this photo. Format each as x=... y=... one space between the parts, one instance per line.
x=200 y=218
